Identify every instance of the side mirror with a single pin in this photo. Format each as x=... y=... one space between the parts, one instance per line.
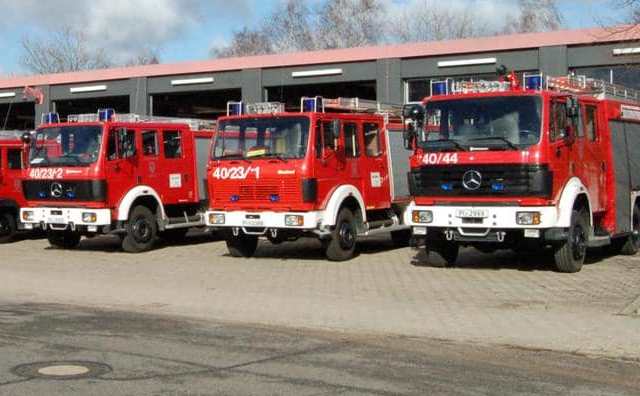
x=409 y=136
x=26 y=138
x=414 y=112
x=335 y=129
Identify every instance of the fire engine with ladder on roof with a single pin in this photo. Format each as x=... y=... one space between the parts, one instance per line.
x=526 y=164
x=336 y=171
x=105 y=173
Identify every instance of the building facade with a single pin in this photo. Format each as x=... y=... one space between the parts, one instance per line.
x=391 y=74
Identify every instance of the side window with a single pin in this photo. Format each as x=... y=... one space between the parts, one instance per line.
x=127 y=143
x=318 y=139
x=112 y=145
x=351 y=145
x=172 y=142
x=557 y=121
x=327 y=134
x=372 y=139
x=14 y=159
x=591 y=123
x=150 y=143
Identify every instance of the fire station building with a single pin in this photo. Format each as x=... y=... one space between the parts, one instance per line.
x=390 y=74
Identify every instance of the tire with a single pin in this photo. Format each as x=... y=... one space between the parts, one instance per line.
x=174 y=235
x=630 y=245
x=142 y=231
x=448 y=252
x=8 y=227
x=341 y=245
x=63 y=239
x=401 y=238
x=242 y=245
x=569 y=257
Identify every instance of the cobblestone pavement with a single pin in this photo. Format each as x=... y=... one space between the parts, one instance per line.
x=488 y=299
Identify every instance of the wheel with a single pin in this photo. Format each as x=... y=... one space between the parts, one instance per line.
x=570 y=256
x=142 y=231
x=401 y=238
x=341 y=245
x=448 y=252
x=63 y=239
x=7 y=227
x=630 y=245
x=242 y=245
x=174 y=235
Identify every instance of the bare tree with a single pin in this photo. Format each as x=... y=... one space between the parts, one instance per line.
x=63 y=50
x=350 y=23
x=290 y=27
x=535 y=16
x=244 y=42
x=147 y=56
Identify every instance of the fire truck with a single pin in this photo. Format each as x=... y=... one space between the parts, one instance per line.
x=531 y=164
x=336 y=171
x=11 y=198
x=105 y=173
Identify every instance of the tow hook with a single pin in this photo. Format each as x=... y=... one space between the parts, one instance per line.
x=235 y=231
x=501 y=235
x=274 y=233
x=449 y=235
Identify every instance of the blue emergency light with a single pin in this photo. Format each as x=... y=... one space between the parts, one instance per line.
x=235 y=108
x=274 y=197
x=533 y=82
x=441 y=87
x=447 y=186
x=105 y=115
x=234 y=198
x=497 y=187
x=311 y=104
x=50 y=118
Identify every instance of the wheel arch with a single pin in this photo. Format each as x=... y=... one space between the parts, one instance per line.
x=141 y=195
x=345 y=195
x=574 y=195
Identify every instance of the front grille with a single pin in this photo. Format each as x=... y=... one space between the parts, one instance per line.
x=64 y=190
x=497 y=180
x=262 y=191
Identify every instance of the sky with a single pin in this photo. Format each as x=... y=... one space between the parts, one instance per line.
x=185 y=30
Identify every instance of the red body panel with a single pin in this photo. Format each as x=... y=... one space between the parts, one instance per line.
x=10 y=179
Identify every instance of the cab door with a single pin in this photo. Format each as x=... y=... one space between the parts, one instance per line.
x=13 y=172
x=562 y=143
x=593 y=162
x=176 y=168
x=121 y=163
x=375 y=166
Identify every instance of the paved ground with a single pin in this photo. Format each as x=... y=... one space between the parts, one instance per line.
x=489 y=299
x=137 y=354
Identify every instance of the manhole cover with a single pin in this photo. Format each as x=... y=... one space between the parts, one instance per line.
x=62 y=370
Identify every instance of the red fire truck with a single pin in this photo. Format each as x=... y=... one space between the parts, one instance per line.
x=333 y=171
x=116 y=174
x=546 y=163
x=11 y=198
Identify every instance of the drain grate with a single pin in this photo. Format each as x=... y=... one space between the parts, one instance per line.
x=62 y=370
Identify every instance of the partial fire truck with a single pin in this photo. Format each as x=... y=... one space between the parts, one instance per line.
x=11 y=198
x=336 y=171
x=104 y=173
x=542 y=162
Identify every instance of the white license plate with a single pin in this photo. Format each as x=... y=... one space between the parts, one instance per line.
x=420 y=230
x=472 y=213
x=253 y=223
x=531 y=233
x=56 y=220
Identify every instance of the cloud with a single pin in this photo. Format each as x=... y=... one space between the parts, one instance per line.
x=122 y=27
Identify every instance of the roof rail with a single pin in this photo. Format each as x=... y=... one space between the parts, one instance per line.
x=6 y=134
x=194 y=123
x=583 y=85
x=320 y=104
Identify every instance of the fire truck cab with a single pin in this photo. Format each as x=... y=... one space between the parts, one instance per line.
x=334 y=171
x=11 y=198
x=116 y=174
x=548 y=162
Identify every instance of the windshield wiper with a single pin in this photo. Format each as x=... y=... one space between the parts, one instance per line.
x=73 y=157
x=505 y=140
x=274 y=155
x=231 y=156
x=453 y=142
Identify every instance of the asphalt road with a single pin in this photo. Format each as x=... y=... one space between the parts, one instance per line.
x=140 y=354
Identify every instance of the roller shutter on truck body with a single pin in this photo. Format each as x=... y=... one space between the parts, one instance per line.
x=625 y=141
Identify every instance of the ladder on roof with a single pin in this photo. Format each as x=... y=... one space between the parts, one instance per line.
x=583 y=85
x=353 y=105
x=195 y=124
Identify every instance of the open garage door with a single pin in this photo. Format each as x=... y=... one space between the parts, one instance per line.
x=20 y=116
x=200 y=104
x=91 y=105
x=290 y=95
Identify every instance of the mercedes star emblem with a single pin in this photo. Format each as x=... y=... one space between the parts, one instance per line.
x=56 y=190
x=472 y=180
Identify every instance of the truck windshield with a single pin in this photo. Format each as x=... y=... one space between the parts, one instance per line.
x=65 y=146
x=496 y=123
x=282 y=137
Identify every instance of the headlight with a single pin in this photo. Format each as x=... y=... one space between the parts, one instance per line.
x=216 y=218
x=293 y=220
x=28 y=215
x=422 y=216
x=89 y=217
x=528 y=218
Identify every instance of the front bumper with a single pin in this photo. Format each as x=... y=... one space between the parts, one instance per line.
x=64 y=218
x=267 y=220
x=486 y=223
